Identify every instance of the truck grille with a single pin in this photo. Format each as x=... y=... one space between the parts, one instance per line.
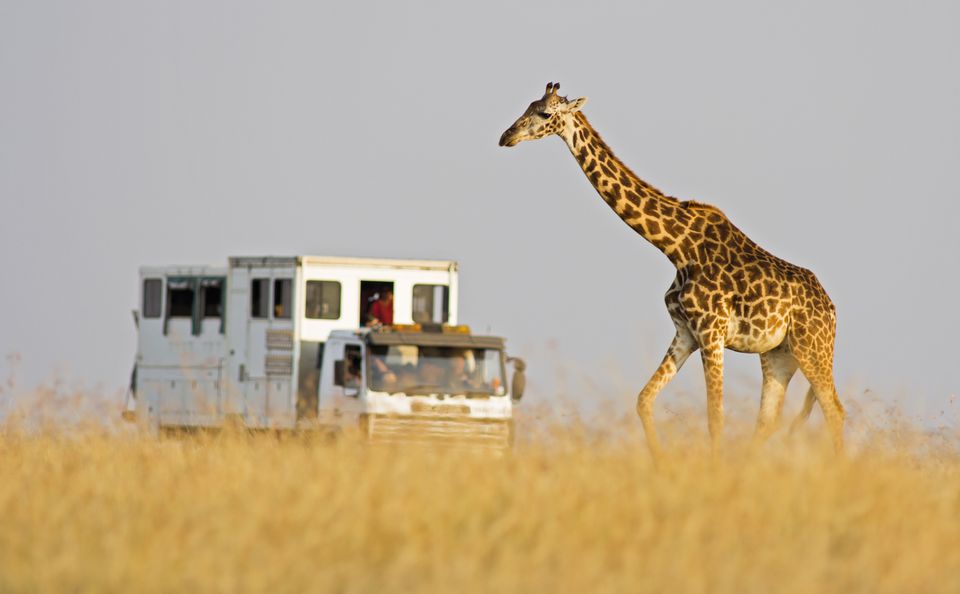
x=462 y=431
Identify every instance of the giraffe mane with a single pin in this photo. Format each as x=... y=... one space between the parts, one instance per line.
x=583 y=119
x=693 y=204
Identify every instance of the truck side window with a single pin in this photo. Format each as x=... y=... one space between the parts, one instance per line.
x=179 y=299
x=211 y=297
x=152 y=297
x=353 y=358
x=323 y=300
x=260 y=298
x=431 y=303
x=282 y=298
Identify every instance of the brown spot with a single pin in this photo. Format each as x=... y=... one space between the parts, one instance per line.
x=671 y=227
x=723 y=231
x=739 y=278
x=650 y=207
x=771 y=287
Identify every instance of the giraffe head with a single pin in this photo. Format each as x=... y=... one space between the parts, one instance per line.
x=550 y=114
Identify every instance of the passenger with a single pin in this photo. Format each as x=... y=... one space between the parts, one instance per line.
x=406 y=376
x=384 y=379
x=351 y=373
x=460 y=378
x=381 y=312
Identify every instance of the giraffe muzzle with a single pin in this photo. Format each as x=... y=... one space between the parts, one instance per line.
x=506 y=139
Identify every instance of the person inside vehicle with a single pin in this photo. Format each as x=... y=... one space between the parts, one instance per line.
x=460 y=378
x=406 y=376
x=384 y=379
x=351 y=372
x=381 y=311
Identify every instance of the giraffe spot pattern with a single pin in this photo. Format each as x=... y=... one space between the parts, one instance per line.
x=728 y=292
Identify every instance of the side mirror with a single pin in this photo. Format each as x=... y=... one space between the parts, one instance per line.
x=338 y=367
x=519 y=382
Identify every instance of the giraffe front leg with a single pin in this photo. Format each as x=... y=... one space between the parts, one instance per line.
x=712 y=355
x=683 y=344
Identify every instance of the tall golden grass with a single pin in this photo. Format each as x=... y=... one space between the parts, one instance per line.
x=570 y=509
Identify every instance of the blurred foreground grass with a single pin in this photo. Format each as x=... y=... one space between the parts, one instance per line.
x=569 y=510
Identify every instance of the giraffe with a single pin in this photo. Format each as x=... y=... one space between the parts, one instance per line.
x=729 y=293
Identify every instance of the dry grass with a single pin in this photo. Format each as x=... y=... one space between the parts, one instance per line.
x=569 y=510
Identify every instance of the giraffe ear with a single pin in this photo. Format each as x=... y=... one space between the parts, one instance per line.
x=576 y=104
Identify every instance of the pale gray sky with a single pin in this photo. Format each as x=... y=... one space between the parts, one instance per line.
x=184 y=132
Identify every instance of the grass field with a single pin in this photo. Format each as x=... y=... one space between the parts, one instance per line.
x=569 y=510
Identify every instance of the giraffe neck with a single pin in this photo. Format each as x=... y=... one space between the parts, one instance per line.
x=661 y=220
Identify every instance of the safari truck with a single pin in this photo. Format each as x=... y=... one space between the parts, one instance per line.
x=289 y=343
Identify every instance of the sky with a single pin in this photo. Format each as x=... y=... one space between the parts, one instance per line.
x=148 y=133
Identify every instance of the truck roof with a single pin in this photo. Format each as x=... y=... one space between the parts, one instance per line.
x=277 y=261
x=435 y=339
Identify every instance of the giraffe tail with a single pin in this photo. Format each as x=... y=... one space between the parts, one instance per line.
x=805 y=412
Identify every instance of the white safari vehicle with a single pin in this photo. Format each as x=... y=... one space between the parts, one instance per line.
x=285 y=343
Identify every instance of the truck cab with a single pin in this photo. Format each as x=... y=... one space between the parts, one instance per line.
x=419 y=382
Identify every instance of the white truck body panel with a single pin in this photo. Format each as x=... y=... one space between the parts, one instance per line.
x=244 y=341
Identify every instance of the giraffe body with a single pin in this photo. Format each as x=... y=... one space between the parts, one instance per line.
x=729 y=293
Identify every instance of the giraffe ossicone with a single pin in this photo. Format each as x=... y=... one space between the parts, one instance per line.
x=729 y=293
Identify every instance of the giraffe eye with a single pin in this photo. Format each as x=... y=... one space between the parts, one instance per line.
x=544 y=115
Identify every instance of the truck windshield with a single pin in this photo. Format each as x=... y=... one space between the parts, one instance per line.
x=412 y=369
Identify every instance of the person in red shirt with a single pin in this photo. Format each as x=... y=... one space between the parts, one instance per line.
x=382 y=309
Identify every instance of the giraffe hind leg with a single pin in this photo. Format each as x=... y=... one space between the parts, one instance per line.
x=818 y=369
x=778 y=367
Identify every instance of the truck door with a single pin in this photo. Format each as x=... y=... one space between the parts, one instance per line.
x=269 y=350
x=343 y=378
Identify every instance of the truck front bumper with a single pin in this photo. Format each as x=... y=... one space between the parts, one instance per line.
x=453 y=430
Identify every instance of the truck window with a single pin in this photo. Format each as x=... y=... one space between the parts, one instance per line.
x=211 y=297
x=431 y=303
x=152 y=297
x=179 y=299
x=323 y=300
x=282 y=298
x=211 y=302
x=354 y=358
x=260 y=298
x=371 y=292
